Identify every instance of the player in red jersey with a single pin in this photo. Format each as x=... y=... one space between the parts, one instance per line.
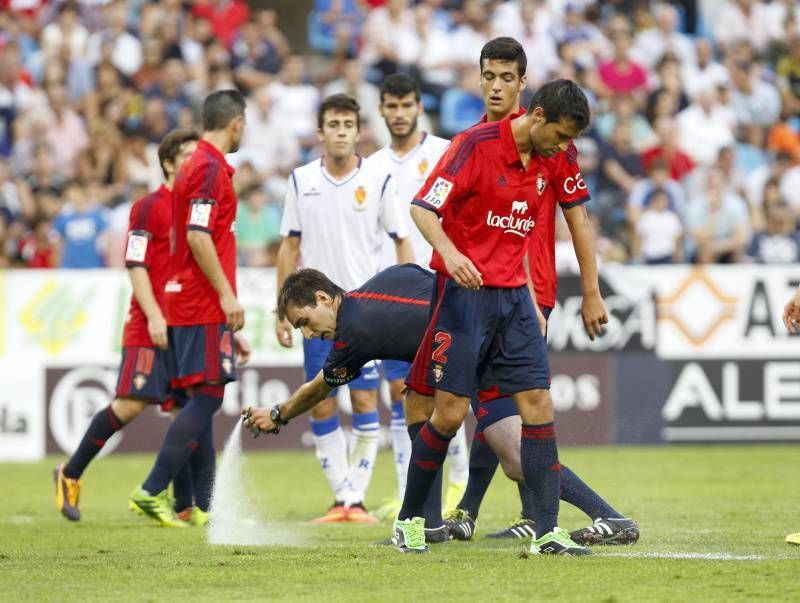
x=143 y=375
x=486 y=332
x=202 y=311
x=503 y=63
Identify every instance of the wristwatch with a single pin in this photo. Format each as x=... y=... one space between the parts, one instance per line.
x=275 y=415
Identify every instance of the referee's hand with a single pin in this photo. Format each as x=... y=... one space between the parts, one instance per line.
x=463 y=271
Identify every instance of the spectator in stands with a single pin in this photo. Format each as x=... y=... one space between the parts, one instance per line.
x=436 y=63
x=296 y=101
x=462 y=106
x=66 y=132
x=255 y=61
x=706 y=72
x=67 y=32
x=717 y=223
x=390 y=38
x=620 y=74
x=80 y=227
x=114 y=42
x=531 y=29
x=258 y=225
x=754 y=101
x=140 y=159
x=622 y=107
x=658 y=233
x=744 y=20
x=652 y=43
x=619 y=172
x=224 y=16
x=778 y=243
x=658 y=178
x=36 y=247
x=353 y=83
x=586 y=39
x=668 y=149
x=334 y=27
x=705 y=127
x=788 y=72
x=670 y=85
x=268 y=143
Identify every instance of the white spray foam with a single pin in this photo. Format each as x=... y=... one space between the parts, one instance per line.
x=235 y=517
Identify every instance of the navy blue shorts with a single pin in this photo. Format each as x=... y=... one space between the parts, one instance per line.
x=316 y=350
x=201 y=354
x=144 y=375
x=491 y=411
x=395 y=369
x=486 y=341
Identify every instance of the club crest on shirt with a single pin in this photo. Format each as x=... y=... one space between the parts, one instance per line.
x=540 y=183
x=438 y=372
x=139 y=381
x=423 y=167
x=361 y=196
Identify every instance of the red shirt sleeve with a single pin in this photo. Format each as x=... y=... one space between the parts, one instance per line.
x=452 y=176
x=142 y=229
x=204 y=195
x=566 y=179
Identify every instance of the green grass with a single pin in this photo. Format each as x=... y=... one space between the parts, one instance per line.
x=736 y=500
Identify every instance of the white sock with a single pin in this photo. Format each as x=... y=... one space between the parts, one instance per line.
x=458 y=458
x=364 y=449
x=331 y=447
x=401 y=445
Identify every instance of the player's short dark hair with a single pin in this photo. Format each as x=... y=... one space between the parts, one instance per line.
x=300 y=288
x=400 y=85
x=339 y=102
x=171 y=145
x=220 y=108
x=562 y=99
x=505 y=49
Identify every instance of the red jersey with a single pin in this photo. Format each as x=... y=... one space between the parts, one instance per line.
x=202 y=199
x=567 y=189
x=487 y=200
x=148 y=247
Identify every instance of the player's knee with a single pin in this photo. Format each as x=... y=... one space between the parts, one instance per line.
x=512 y=467
x=364 y=400
x=535 y=405
x=324 y=410
x=127 y=410
x=396 y=387
x=448 y=418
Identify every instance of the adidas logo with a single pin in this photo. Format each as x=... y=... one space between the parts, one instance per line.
x=501 y=181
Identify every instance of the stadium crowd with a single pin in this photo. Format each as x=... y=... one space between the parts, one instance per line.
x=693 y=154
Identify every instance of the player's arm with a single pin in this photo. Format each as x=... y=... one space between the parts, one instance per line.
x=288 y=256
x=205 y=254
x=447 y=182
x=143 y=292
x=593 y=310
x=404 y=251
x=304 y=399
x=526 y=265
x=288 y=253
x=145 y=224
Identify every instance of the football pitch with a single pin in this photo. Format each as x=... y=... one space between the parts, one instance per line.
x=713 y=522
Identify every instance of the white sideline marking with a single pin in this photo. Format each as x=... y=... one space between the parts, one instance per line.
x=705 y=556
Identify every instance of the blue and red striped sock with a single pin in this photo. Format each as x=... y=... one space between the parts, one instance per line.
x=104 y=424
x=428 y=453
x=576 y=492
x=204 y=467
x=542 y=471
x=182 y=436
x=432 y=511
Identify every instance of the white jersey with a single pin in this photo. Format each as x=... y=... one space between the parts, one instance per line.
x=342 y=224
x=410 y=172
